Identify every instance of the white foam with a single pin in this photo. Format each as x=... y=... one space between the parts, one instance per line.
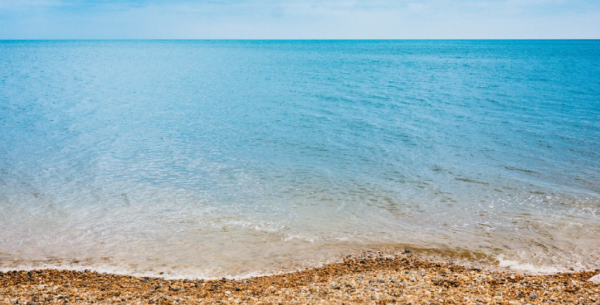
x=166 y=274
x=528 y=267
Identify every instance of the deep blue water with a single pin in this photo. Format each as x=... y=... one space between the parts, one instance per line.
x=233 y=157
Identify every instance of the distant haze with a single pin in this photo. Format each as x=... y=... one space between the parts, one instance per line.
x=299 y=19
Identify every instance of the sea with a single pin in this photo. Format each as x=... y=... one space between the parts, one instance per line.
x=233 y=158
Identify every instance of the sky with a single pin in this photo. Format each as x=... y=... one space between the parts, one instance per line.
x=300 y=19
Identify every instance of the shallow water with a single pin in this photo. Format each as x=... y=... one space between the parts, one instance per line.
x=211 y=158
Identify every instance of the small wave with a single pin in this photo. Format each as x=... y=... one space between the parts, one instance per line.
x=528 y=267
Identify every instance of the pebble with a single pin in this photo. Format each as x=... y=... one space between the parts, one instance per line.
x=595 y=279
x=533 y=296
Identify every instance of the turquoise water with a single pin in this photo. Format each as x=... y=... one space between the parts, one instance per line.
x=210 y=158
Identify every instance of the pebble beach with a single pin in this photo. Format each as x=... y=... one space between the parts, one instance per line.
x=399 y=279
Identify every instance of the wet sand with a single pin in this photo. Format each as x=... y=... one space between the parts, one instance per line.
x=401 y=279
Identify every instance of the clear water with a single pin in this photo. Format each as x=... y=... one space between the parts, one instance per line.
x=211 y=158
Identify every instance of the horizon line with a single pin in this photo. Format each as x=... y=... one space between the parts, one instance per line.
x=297 y=39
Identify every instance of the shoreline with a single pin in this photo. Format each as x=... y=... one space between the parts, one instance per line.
x=403 y=279
x=455 y=257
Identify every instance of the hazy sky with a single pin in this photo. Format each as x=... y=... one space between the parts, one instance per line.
x=299 y=19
